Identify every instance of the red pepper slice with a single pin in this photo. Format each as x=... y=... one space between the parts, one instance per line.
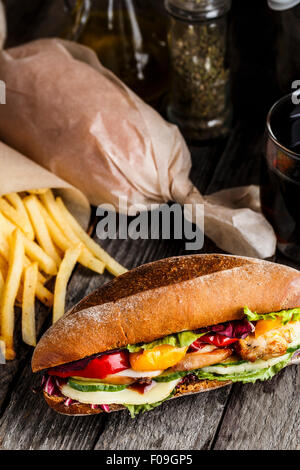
x=99 y=367
x=216 y=339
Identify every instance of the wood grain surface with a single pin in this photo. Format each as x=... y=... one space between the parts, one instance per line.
x=260 y=416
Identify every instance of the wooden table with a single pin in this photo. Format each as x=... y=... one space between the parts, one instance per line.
x=265 y=415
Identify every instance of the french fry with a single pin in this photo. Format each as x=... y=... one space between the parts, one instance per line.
x=1 y=283
x=16 y=263
x=14 y=216
x=8 y=228
x=55 y=223
x=4 y=256
x=62 y=278
x=38 y=191
x=4 y=248
x=3 y=266
x=44 y=295
x=63 y=217
x=40 y=228
x=28 y=304
x=36 y=253
x=17 y=202
x=111 y=264
x=56 y=233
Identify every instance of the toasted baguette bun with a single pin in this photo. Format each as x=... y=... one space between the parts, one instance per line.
x=165 y=297
x=80 y=409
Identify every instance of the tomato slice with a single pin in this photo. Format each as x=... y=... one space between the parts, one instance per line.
x=216 y=339
x=99 y=367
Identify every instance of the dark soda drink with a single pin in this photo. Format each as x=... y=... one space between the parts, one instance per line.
x=280 y=175
x=280 y=200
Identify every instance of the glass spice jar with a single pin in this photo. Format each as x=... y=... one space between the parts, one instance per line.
x=199 y=100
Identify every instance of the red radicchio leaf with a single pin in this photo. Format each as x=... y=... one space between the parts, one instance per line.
x=69 y=402
x=49 y=386
x=234 y=329
x=103 y=407
x=60 y=382
x=52 y=385
x=44 y=378
x=94 y=407
x=296 y=357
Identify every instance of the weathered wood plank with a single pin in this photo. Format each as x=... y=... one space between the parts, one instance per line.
x=29 y=423
x=264 y=415
x=183 y=423
x=240 y=162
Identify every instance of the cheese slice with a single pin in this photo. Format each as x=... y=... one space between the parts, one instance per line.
x=159 y=392
x=138 y=374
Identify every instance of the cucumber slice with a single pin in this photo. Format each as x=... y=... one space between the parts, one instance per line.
x=228 y=364
x=172 y=376
x=83 y=386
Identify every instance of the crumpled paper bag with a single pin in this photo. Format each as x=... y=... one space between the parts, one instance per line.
x=74 y=117
x=18 y=173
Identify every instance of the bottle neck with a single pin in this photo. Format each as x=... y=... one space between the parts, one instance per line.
x=197 y=10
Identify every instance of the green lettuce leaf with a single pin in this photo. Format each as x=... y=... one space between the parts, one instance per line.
x=135 y=410
x=285 y=315
x=180 y=340
x=293 y=349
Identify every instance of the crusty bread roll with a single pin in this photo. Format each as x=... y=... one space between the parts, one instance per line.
x=165 y=297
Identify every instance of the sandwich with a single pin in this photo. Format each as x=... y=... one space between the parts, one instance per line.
x=173 y=327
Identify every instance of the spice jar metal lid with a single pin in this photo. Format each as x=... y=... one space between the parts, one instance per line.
x=280 y=5
x=197 y=9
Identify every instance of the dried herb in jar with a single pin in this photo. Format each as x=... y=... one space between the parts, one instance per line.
x=200 y=77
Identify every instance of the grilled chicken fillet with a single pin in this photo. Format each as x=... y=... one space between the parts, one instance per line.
x=272 y=344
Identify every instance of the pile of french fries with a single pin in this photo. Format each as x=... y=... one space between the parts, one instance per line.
x=39 y=239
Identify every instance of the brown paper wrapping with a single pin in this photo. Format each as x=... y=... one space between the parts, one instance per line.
x=18 y=173
x=74 y=117
x=2 y=25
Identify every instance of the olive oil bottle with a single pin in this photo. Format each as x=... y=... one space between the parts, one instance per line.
x=130 y=38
